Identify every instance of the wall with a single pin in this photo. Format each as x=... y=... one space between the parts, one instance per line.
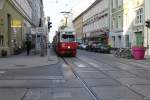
x=96 y=19
x=14 y=38
x=147 y=31
x=79 y=27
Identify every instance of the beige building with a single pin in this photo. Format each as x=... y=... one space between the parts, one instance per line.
x=96 y=22
x=15 y=22
x=78 y=25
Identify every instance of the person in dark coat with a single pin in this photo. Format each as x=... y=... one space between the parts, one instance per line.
x=28 y=46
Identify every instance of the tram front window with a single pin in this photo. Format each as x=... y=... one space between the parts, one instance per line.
x=68 y=38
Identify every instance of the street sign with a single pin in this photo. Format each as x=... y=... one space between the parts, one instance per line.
x=33 y=31
x=40 y=30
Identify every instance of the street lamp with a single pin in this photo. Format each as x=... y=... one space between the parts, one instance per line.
x=66 y=14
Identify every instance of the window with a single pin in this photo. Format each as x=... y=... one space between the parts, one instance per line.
x=113 y=23
x=114 y=4
x=126 y=19
x=68 y=38
x=116 y=23
x=119 y=22
x=119 y=2
x=127 y=41
x=139 y=16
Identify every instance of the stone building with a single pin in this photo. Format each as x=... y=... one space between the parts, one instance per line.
x=16 y=19
x=96 y=22
x=78 y=25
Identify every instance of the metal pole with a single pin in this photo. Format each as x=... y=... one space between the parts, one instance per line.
x=66 y=21
x=36 y=43
x=147 y=39
x=42 y=45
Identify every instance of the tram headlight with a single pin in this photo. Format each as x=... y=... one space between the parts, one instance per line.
x=68 y=47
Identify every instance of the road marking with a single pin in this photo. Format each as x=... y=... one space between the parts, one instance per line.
x=58 y=81
x=93 y=64
x=36 y=78
x=64 y=65
x=62 y=95
x=86 y=71
x=79 y=65
x=2 y=72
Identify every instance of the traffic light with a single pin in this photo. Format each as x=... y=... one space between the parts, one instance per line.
x=147 y=23
x=49 y=25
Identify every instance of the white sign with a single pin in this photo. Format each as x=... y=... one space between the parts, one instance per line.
x=40 y=30
x=33 y=31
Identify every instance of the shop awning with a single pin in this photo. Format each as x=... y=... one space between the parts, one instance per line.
x=1 y=4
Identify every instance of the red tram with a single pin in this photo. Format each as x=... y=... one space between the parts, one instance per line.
x=64 y=43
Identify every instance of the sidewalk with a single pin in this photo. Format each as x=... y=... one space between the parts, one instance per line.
x=24 y=61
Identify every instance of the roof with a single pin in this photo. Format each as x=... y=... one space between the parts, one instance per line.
x=96 y=2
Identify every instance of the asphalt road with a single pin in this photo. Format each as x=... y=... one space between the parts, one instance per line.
x=89 y=76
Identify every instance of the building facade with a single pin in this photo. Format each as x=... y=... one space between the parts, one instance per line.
x=96 y=22
x=127 y=23
x=15 y=23
x=147 y=30
x=37 y=12
x=116 y=36
x=78 y=25
x=128 y=28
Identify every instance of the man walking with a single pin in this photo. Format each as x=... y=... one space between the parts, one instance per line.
x=28 y=46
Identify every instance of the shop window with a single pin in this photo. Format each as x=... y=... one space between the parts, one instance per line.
x=127 y=41
x=113 y=38
x=119 y=41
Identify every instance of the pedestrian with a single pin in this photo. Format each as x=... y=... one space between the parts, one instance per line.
x=28 y=46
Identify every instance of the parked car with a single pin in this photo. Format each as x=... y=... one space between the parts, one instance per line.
x=93 y=46
x=82 y=46
x=104 y=48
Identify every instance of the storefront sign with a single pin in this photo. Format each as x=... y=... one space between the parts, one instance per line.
x=16 y=23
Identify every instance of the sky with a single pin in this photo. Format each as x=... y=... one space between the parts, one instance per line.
x=53 y=9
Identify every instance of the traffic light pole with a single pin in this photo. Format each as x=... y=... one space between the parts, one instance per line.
x=42 y=45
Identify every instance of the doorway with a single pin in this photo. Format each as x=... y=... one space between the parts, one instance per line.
x=9 y=29
x=139 y=38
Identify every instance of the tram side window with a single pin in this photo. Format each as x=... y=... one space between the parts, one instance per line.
x=68 y=38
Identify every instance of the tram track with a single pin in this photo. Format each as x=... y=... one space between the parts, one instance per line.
x=89 y=89
x=111 y=76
